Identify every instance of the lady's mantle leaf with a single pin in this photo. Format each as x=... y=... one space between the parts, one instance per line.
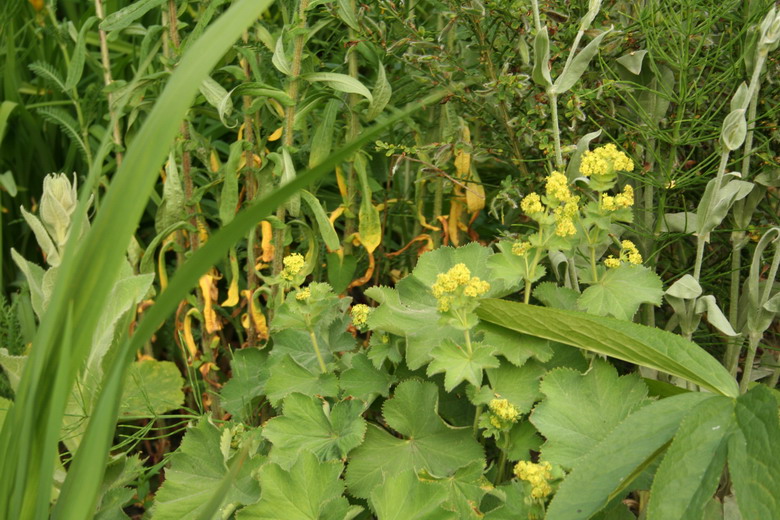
x=458 y=364
x=310 y=490
x=307 y=425
x=198 y=468
x=287 y=377
x=153 y=387
x=428 y=443
x=406 y=498
x=621 y=291
x=580 y=410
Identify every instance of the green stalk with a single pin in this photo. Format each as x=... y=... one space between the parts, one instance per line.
x=353 y=129
x=316 y=346
x=753 y=340
x=107 y=80
x=700 y=240
x=556 y=129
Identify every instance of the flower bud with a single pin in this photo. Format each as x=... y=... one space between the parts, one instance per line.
x=58 y=203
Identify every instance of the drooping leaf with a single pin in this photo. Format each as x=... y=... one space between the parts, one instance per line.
x=428 y=443
x=621 y=291
x=322 y=141
x=620 y=457
x=637 y=344
x=580 y=410
x=309 y=490
x=686 y=479
x=339 y=82
x=382 y=93
x=127 y=15
x=459 y=364
x=571 y=74
x=311 y=425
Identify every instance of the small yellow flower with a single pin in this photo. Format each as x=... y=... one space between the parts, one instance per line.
x=303 y=294
x=447 y=285
x=504 y=410
x=293 y=264
x=476 y=287
x=607 y=203
x=625 y=199
x=631 y=252
x=537 y=475
x=612 y=262
x=564 y=227
x=605 y=160
x=360 y=314
x=521 y=248
x=557 y=187
x=532 y=204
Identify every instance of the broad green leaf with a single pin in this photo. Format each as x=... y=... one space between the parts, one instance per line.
x=249 y=372
x=228 y=197
x=630 y=342
x=514 y=505
x=511 y=269
x=322 y=141
x=553 y=295
x=197 y=468
x=753 y=466
x=734 y=130
x=522 y=439
x=465 y=489
x=369 y=224
x=287 y=376
x=405 y=497
x=364 y=381
x=153 y=388
x=341 y=269
x=515 y=347
x=325 y=226
x=717 y=200
x=689 y=474
x=461 y=364
x=309 y=490
x=218 y=97
x=382 y=93
x=520 y=385
x=279 y=59
x=33 y=273
x=127 y=15
x=571 y=74
x=611 y=465
x=580 y=410
x=339 y=82
x=307 y=423
x=541 y=70
x=428 y=442
x=121 y=472
x=621 y=291
x=44 y=241
x=347 y=15
x=633 y=61
x=13 y=366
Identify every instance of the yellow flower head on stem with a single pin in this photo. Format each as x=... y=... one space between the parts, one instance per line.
x=303 y=294
x=521 y=248
x=360 y=314
x=557 y=187
x=605 y=160
x=537 y=475
x=532 y=204
x=457 y=280
x=293 y=264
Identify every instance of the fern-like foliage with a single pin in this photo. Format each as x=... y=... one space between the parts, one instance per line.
x=66 y=122
x=10 y=338
x=49 y=74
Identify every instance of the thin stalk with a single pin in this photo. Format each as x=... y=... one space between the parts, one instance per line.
x=753 y=341
x=501 y=467
x=527 y=292
x=556 y=129
x=646 y=197
x=537 y=19
x=107 y=80
x=467 y=335
x=701 y=240
x=353 y=129
x=477 y=413
x=316 y=346
x=593 y=269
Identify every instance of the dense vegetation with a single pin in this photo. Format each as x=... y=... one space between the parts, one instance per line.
x=424 y=259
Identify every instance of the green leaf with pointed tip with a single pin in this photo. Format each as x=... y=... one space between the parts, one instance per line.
x=428 y=443
x=523 y=438
x=541 y=70
x=246 y=384
x=571 y=74
x=620 y=457
x=127 y=15
x=341 y=270
x=630 y=342
x=553 y=295
x=325 y=226
x=514 y=505
x=458 y=364
x=364 y=381
x=580 y=410
x=520 y=385
x=307 y=423
x=310 y=490
x=621 y=291
x=382 y=93
x=689 y=474
x=465 y=489
x=287 y=376
x=152 y=388
x=753 y=454
x=339 y=82
x=404 y=497
x=197 y=468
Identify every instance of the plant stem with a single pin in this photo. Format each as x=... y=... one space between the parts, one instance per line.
x=699 y=257
x=107 y=80
x=593 y=269
x=753 y=341
x=527 y=292
x=353 y=129
x=316 y=346
x=478 y=412
x=501 y=467
x=556 y=129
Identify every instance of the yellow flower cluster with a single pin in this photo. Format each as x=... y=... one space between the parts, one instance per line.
x=447 y=284
x=521 y=248
x=619 y=201
x=557 y=187
x=537 y=475
x=292 y=266
x=502 y=413
x=628 y=253
x=531 y=204
x=303 y=294
x=605 y=160
x=360 y=314
x=564 y=226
